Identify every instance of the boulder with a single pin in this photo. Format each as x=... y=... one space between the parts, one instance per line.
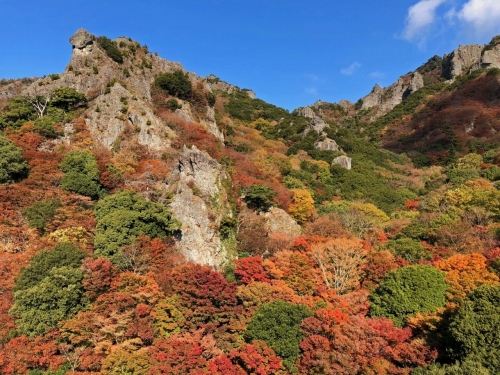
x=278 y=221
x=81 y=39
x=327 y=144
x=343 y=161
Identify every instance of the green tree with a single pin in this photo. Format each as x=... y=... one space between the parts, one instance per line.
x=67 y=98
x=408 y=249
x=39 y=212
x=476 y=326
x=277 y=324
x=464 y=368
x=13 y=167
x=123 y=216
x=18 y=112
x=81 y=173
x=407 y=291
x=259 y=197
x=63 y=254
x=58 y=296
x=175 y=84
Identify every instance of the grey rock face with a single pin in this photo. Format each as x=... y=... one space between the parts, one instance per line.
x=278 y=221
x=81 y=39
x=200 y=203
x=343 y=161
x=317 y=123
x=107 y=120
x=211 y=124
x=327 y=144
x=460 y=59
x=374 y=98
x=491 y=58
x=216 y=84
x=416 y=83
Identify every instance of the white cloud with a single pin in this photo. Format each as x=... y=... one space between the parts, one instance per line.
x=484 y=15
x=350 y=69
x=420 y=16
x=312 y=77
x=377 y=74
x=312 y=91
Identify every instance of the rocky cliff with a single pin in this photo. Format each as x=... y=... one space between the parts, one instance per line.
x=200 y=203
x=120 y=115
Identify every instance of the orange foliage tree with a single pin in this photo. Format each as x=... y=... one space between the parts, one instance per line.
x=339 y=260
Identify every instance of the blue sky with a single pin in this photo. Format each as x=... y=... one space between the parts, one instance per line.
x=290 y=52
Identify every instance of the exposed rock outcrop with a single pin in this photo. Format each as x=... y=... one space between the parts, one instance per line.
x=386 y=99
x=491 y=58
x=316 y=123
x=109 y=116
x=416 y=83
x=461 y=59
x=343 y=161
x=81 y=39
x=278 y=221
x=327 y=144
x=374 y=98
x=216 y=84
x=200 y=203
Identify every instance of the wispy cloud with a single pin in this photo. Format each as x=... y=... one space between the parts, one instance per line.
x=350 y=69
x=377 y=74
x=420 y=17
x=483 y=15
x=313 y=77
x=311 y=91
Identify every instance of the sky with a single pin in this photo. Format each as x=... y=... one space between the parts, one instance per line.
x=289 y=52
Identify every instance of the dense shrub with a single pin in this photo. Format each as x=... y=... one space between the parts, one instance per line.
x=62 y=255
x=56 y=297
x=277 y=324
x=67 y=98
x=81 y=174
x=13 y=167
x=175 y=84
x=475 y=328
x=259 y=197
x=39 y=212
x=123 y=216
x=173 y=104
x=407 y=291
x=111 y=49
x=17 y=113
x=408 y=249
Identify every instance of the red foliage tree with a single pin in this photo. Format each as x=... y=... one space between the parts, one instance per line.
x=97 y=276
x=357 y=345
x=250 y=269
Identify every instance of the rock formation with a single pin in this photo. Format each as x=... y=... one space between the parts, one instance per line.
x=278 y=221
x=316 y=123
x=343 y=161
x=109 y=116
x=327 y=144
x=216 y=84
x=460 y=60
x=491 y=58
x=200 y=203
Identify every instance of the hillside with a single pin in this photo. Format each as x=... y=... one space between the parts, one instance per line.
x=156 y=222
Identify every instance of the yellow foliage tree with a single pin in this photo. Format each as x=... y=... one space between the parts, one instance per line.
x=302 y=207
